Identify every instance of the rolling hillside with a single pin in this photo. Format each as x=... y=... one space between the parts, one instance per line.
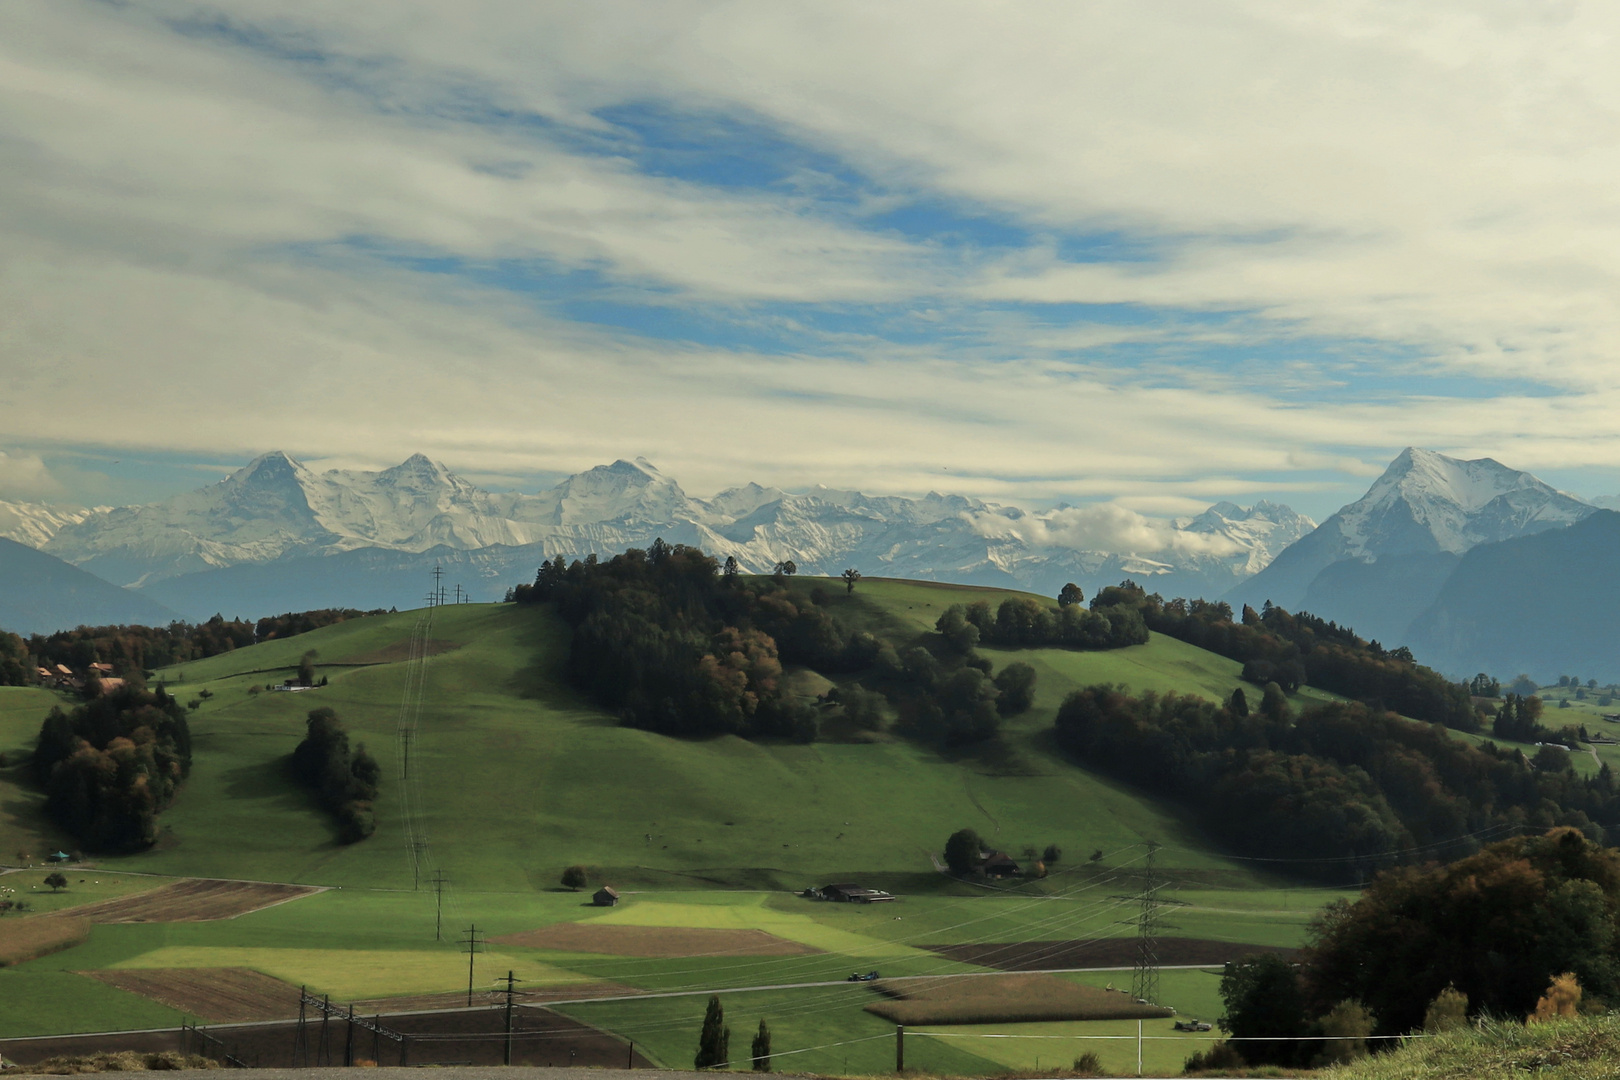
x=520 y=776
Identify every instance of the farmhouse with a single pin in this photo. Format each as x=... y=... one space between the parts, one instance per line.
x=998 y=864
x=606 y=896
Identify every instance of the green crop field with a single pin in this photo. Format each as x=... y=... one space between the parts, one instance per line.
x=517 y=776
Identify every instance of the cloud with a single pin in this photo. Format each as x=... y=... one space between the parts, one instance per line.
x=25 y=477
x=1226 y=248
x=1106 y=527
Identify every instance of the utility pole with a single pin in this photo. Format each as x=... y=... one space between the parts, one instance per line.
x=418 y=847
x=439 y=881
x=1145 y=974
x=472 y=944
x=510 y=991
x=438 y=584
x=405 y=742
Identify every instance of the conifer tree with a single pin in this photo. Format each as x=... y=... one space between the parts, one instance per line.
x=762 y=1048
x=715 y=1039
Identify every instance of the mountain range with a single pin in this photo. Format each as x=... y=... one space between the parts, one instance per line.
x=1420 y=559
x=260 y=541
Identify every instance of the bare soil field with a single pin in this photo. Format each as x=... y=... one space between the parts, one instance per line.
x=25 y=938
x=655 y=941
x=1106 y=952
x=218 y=995
x=470 y=1037
x=192 y=900
x=1003 y=999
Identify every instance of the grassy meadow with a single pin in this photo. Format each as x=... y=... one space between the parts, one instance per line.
x=516 y=776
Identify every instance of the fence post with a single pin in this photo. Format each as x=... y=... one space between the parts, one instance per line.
x=899 y=1048
x=1139 y=1048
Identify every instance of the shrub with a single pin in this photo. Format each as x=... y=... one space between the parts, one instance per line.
x=1089 y=1064
x=1448 y=1011
x=575 y=877
x=1563 y=998
x=1222 y=1056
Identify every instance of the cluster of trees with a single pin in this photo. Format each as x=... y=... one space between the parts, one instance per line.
x=1342 y=787
x=675 y=647
x=1523 y=928
x=112 y=765
x=344 y=779
x=1024 y=623
x=1293 y=649
x=952 y=696
x=677 y=644
x=714 y=1041
x=132 y=650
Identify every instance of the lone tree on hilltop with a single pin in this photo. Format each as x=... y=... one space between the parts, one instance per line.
x=850 y=576
x=56 y=881
x=787 y=568
x=962 y=851
x=575 y=878
x=731 y=567
x=714 y=1043
x=1070 y=595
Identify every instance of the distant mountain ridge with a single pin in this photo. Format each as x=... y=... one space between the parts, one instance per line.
x=276 y=511
x=41 y=594
x=1425 y=504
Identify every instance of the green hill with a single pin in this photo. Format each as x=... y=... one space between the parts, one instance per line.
x=516 y=777
x=519 y=776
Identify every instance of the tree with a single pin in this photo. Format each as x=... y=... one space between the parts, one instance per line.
x=787 y=568
x=56 y=881
x=1052 y=853
x=1262 y=996
x=575 y=877
x=762 y=1048
x=1070 y=595
x=1016 y=683
x=306 y=669
x=850 y=576
x=1238 y=703
x=714 y=1042
x=731 y=566
x=962 y=851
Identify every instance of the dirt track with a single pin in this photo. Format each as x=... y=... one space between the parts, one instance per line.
x=191 y=900
x=655 y=941
x=1106 y=952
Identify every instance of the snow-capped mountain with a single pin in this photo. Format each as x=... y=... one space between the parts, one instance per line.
x=1424 y=505
x=276 y=511
x=34 y=524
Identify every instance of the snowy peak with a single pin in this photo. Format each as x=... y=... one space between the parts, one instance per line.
x=34 y=524
x=622 y=491
x=1428 y=502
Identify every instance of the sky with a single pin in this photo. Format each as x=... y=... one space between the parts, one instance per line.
x=1144 y=255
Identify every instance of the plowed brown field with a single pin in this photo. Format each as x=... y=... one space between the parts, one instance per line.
x=192 y=900
x=219 y=995
x=655 y=941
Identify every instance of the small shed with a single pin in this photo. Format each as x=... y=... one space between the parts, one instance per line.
x=606 y=896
